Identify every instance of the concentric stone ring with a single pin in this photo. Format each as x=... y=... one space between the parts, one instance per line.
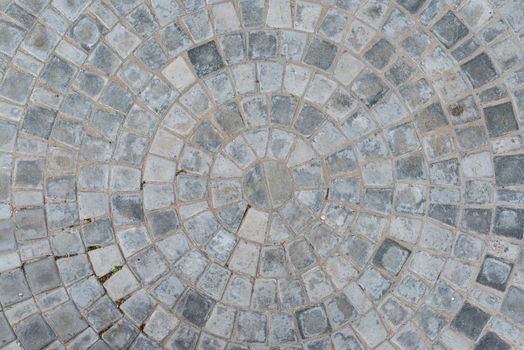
x=261 y=174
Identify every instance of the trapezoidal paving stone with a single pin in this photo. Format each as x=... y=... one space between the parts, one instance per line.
x=249 y=174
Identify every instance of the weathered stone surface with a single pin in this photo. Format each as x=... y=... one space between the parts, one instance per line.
x=261 y=174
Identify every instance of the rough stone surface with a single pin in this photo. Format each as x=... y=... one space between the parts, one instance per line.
x=256 y=174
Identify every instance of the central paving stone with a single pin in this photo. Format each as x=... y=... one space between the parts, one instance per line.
x=267 y=184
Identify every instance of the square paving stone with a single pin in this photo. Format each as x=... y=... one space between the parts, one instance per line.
x=29 y=173
x=491 y=341
x=374 y=283
x=445 y=213
x=505 y=177
x=494 y=273
x=148 y=266
x=66 y=321
x=378 y=199
x=205 y=58
x=86 y=292
x=195 y=307
x=308 y=120
x=127 y=209
x=117 y=97
x=513 y=305
x=445 y=172
x=38 y=121
x=282 y=109
x=371 y=329
x=58 y=74
x=391 y=256
x=103 y=314
x=163 y=222
x=340 y=310
x=509 y=222
x=16 y=86
x=184 y=338
x=333 y=25
x=500 y=119
x=142 y=20
x=292 y=45
x=207 y=136
x=168 y=290
x=34 y=333
x=262 y=45
x=67 y=132
x=251 y=327
x=300 y=255
x=121 y=335
x=399 y=72
x=175 y=39
x=213 y=281
x=104 y=59
x=98 y=232
x=158 y=95
x=42 y=275
x=480 y=70
x=282 y=330
x=411 y=289
x=476 y=220
x=471 y=137
x=13 y=287
x=86 y=32
x=105 y=259
x=341 y=162
x=430 y=321
x=273 y=262
x=73 y=268
x=358 y=249
x=252 y=12
x=470 y=321
x=10 y=37
x=416 y=43
x=138 y=307
x=229 y=118
x=30 y=224
x=380 y=53
x=394 y=312
x=312 y=321
x=412 y=167
x=449 y=29
x=402 y=139
x=292 y=293
x=467 y=247
x=321 y=54
x=60 y=216
x=369 y=88
x=234 y=47
x=134 y=76
x=152 y=55
x=430 y=118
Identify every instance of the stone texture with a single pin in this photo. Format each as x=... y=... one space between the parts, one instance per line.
x=261 y=174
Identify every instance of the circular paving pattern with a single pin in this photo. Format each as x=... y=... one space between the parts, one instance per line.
x=262 y=174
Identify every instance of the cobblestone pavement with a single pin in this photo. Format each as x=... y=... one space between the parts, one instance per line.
x=262 y=174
